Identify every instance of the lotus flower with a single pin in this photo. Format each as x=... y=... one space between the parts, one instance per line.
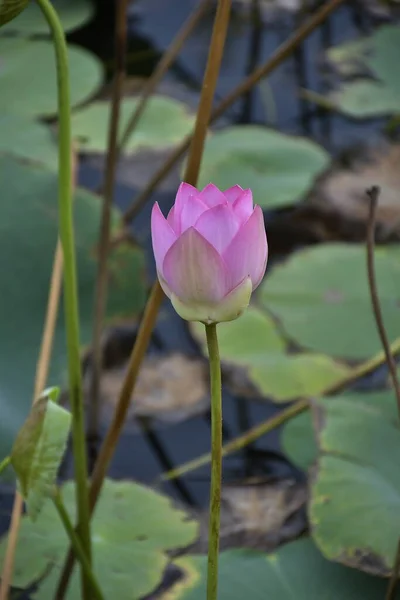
x=211 y=252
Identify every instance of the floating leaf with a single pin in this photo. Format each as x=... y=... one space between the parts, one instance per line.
x=163 y=123
x=322 y=299
x=9 y=9
x=298 y=435
x=38 y=450
x=28 y=217
x=37 y=95
x=355 y=495
x=376 y=56
x=297 y=570
x=72 y=14
x=24 y=137
x=132 y=529
x=278 y=168
x=253 y=344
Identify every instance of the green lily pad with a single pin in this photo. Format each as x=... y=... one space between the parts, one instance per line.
x=132 y=529
x=298 y=435
x=24 y=94
x=164 y=122
x=72 y=13
x=39 y=449
x=321 y=297
x=24 y=137
x=10 y=9
x=254 y=344
x=279 y=169
x=377 y=57
x=28 y=217
x=355 y=494
x=297 y=570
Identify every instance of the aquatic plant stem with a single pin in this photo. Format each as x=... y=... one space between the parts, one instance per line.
x=76 y=545
x=100 y=297
x=106 y=453
x=373 y=195
x=285 y=415
x=216 y=461
x=281 y=54
x=70 y=290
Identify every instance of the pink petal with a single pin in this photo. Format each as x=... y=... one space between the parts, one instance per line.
x=162 y=235
x=218 y=226
x=171 y=218
x=247 y=254
x=184 y=195
x=193 y=269
x=232 y=193
x=212 y=196
x=243 y=205
x=191 y=211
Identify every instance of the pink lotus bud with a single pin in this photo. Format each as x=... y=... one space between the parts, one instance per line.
x=211 y=252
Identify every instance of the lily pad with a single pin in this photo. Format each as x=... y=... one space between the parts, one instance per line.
x=39 y=449
x=297 y=570
x=72 y=13
x=28 y=217
x=279 y=169
x=24 y=137
x=298 y=435
x=355 y=496
x=132 y=529
x=10 y=9
x=377 y=57
x=252 y=349
x=24 y=94
x=321 y=297
x=164 y=122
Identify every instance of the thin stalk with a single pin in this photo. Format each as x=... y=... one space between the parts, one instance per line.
x=4 y=463
x=76 y=545
x=70 y=280
x=295 y=409
x=281 y=54
x=162 y=67
x=216 y=462
x=373 y=195
x=154 y=302
x=100 y=300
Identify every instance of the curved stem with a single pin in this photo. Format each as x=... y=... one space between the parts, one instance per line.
x=76 y=545
x=66 y=230
x=216 y=461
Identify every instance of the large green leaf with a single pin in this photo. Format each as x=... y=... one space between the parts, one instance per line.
x=278 y=168
x=132 y=529
x=72 y=13
x=321 y=297
x=297 y=570
x=22 y=93
x=253 y=344
x=164 y=122
x=28 y=224
x=24 y=137
x=355 y=494
x=298 y=434
x=9 y=9
x=39 y=448
x=376 y=56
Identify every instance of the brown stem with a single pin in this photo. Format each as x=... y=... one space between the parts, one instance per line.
x=146 y=327
x=100 y=300
x=276 y=59
x=162 y=67
x=373 y=195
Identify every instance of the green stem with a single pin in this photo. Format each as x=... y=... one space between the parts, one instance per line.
x=76 y=545
x=216 y=461
x=4 y=463
x=70 y=280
